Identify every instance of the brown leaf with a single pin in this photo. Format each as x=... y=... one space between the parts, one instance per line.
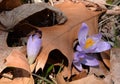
x=23 y=80
x=13 y=57
x=59 y=79
x=32 y=67
x=113 y=12
x=20 y=71
x=91 y=79
x=18 y=60
x=100 y=70
x=106 y=57
x=81 y=75
x=4 y=50
x=62 y=37
x=65 y=72
x=97 y=5
x=98 y=1
x=92 y=6
x=11 y=18
x=115 y=65
x=8 y=4
x=88 y=80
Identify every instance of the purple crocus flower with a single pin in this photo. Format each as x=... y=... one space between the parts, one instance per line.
x=88 y=44
x=33 y=46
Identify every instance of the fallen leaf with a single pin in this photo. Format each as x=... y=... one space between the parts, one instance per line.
x=66 y=72
x=106 y=57
x=113 y=12
x=81 y=75
x=4 y=50
x=59 y=79
x=18 y=60
x=62 y=37
x=100 y=70
x=108 y=79
x=11 y=18
x=8 y=4
x=20 y=69
x=91 y=79
x=92 y=6
x=100 y=3
x=32 y=67
x=23 y=80
x=115 y=65
x=0 y=0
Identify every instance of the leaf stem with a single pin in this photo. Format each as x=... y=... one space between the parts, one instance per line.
x=43 y=78
x=61 y=67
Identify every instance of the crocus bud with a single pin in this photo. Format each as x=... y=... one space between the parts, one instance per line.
x=33 y=46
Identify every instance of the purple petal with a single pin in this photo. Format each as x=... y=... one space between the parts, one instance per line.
x=77 y=61
x=78 y=48
x=33 y=47
x=102 y=46
x=90 y=61
x=78 y=55
x=97 y=37
x=83 y=32
x=78 y=65
x=90 y=49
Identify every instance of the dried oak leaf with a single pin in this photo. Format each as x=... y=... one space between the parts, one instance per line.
x=91 y=79
x=11 y=18
x=62 y=37
x=20 y=68
x=114 y=11
x=115 y=65
x=15 y=58
x=6 y=5
x=100 y=3
x=4 y=50
x=106 y=57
